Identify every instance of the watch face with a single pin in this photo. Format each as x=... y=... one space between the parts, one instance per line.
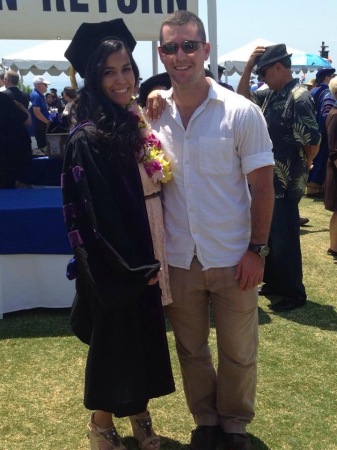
x=264 y=251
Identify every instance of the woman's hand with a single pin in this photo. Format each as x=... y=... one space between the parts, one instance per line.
x=155 y=105
x=153 y=280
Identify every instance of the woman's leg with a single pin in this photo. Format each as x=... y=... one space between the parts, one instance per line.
x=143 y=432
x=102 y=432
x=103 y=419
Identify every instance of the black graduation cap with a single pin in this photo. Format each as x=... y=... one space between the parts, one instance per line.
x=89 y=35
x=220 y=69
x=160 y=79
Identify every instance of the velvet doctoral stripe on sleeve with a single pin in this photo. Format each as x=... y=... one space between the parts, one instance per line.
x=107 y=224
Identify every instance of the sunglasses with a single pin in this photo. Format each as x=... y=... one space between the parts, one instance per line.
x=171 y=48
x=262 y=72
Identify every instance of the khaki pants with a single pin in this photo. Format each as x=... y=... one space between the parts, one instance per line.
x=225 y=397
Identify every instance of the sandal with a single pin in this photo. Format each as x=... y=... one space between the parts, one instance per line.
x=143 y=433
x=103 y=438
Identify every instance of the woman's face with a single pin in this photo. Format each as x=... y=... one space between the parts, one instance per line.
x=118 y=80
x=49 y=99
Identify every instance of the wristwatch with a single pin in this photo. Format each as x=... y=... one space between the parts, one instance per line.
x=260 y=249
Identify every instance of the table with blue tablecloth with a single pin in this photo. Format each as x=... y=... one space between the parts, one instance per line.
x=34 y=250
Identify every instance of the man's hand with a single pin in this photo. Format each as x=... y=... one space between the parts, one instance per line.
x=257 y=52
x=250 y=270
x=155 y=105
x=244 y=86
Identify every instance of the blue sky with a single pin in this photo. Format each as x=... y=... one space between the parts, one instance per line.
x=299 y=24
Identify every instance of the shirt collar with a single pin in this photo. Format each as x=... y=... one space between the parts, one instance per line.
x=215 y=92
x=284 y=92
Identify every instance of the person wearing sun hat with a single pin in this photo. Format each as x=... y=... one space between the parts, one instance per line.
x=117 y=310
x=289 y=111
x=310 y=84
x=324 y=101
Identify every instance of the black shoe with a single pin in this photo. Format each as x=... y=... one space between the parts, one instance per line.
x=332 y=253
x=204 y=437
x=237 y=441
x=288 y=303
x=303 y=221
x=266 y=291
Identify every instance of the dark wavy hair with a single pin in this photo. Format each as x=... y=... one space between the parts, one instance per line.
x=116 y=128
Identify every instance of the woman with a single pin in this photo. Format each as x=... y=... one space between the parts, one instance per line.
x=50 y=101
x=118 y=309
x=330 y=193
x=68 y=116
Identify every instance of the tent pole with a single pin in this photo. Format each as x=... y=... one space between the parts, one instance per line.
x=154 y=58
x=212 y=31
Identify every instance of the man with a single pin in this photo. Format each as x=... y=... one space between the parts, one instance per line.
x=12 y=90
x=24 y=152
x=14 y=139
x=324 y=101
x=2 y=82
x=39 y=111
x=220 y=73
x=217 y=143
x=289 y=111
x=222 y=83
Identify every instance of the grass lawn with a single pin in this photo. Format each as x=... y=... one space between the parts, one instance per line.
x=42 y=364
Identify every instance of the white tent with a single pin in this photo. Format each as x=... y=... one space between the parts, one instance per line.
x=45 y=57
x=236 y=60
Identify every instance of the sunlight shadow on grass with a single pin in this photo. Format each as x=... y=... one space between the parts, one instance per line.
x=39 y=322
x=312 y=314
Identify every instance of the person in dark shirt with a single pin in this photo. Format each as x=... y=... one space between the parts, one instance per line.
x=12 y=88
x=14 y=139
x=289 y=111
x=324 y=101
x=118 y=311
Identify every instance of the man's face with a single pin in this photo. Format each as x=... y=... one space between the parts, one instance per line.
x=184 y=68
x=41 y=87
x=270 y=76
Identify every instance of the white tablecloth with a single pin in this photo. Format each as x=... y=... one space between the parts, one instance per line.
x=32 y=281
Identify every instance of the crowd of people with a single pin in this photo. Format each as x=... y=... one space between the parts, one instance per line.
x=48 y=113
x=191 y=207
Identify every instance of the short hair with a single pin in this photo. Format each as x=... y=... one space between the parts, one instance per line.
x=183 y=17
x=70 y=92
x=12 y=77
x=333 y=86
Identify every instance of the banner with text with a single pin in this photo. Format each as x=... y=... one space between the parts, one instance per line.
x=59 y=19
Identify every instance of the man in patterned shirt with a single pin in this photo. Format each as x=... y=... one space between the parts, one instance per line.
x=290 y=115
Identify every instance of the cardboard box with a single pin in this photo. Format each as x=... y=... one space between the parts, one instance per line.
x=55 y=144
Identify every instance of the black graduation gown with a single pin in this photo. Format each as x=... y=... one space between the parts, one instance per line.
x=115 y=312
